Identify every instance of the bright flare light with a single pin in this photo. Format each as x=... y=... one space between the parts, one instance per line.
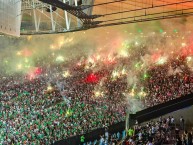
x=142 y=94
x=136 y=43
x=188 y=58
x=184 y=45
x=90 y=60
x=98 y=94
x=132 y=93
x=52 y=47
x=26 y=60
x=49 y=88
x=18 y=53
x=162 y=60
x=123 y=72
x=59 y=58
x=61 y=43
x=66 y=74
x=19 y=66
x=115 y=74
x=98 y=57
x=123 y=53
x=29 y=38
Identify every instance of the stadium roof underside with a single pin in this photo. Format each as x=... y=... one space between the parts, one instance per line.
x=59 y=16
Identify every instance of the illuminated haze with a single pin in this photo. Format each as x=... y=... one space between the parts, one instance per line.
x=145 y=44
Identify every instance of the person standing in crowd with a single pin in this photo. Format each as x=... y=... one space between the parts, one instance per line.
x=160 y=119
x=189 y=139
x=177 y=131
x=168 y=121
x=82 y=138
x=123 y=134
x=130 y=132
x=118 y=135
x=182 y=123
x=149 y=142
x=178 y=141
x=102 y=141
x=172 y=120
x=136 y=122
x=106 y=135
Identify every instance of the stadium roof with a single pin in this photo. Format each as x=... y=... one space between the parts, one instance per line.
x=37 y=17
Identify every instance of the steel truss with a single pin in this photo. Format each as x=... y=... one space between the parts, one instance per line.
x=59 y=20
x=139 y=11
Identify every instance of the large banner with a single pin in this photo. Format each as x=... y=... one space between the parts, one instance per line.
x=10 y=17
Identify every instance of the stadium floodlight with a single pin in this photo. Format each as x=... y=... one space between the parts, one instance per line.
x=10 y=17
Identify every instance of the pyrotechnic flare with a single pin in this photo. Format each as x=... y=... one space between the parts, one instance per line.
x=49 y=88
x=19 y=66
x=98 y=93
x=66 y=74
x=18 y=53
x=162 y=60
x=59 y=58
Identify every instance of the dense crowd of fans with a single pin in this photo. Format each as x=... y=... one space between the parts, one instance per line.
x=65 y=101
x=169 y=81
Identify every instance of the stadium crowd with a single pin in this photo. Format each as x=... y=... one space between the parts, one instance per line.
x=168 y=130
x=163 y=131
x=58 y=104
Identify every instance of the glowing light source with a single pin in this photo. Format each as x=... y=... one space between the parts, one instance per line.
x=142 y=93
x=98 y=94
x=61 y=43
x=19 y=66
x=123 y=53
x=123 y=72
x=69 y=113
x=184 y=45
x=161 y=60
x=90 y=60
x=137 y=65
x=175 y=30
x=115 y=74
x=136 y=43
x=132 y=93
x=26 y=60
x=92 y=78
x=6 y=61
x=59 y=58
x=66 y=74
x=139 y=30
x=29 y=38
x=188 y=58
x=49 y=88
x=145 y=76
x=18 y=53
x=98 y=57
x=52 y=47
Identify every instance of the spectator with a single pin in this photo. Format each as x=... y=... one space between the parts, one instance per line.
x=182 y=123
x=178 y=141
x=172 y=121
x=130 y=132
x=102 y=141
x=82 y=139
x=189 y=139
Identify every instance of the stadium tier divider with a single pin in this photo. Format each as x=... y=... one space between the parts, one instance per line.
x=161 y=109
